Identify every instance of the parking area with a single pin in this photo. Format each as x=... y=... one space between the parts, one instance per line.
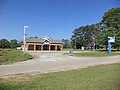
x=45 y=62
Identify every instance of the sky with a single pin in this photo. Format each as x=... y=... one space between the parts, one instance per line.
x=53 y=18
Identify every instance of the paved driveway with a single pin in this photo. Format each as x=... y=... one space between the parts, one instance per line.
x=54 y=61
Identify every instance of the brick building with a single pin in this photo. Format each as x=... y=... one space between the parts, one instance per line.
x=43 y=44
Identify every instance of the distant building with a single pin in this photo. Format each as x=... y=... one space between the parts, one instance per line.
x=19 y=48
x=43 y=44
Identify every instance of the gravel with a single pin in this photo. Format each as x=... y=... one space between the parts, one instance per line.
x=45 y=62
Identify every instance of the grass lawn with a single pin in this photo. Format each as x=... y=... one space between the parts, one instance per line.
x=92 y=53
x=10 y=56
x=96 y=54
x=104 y=77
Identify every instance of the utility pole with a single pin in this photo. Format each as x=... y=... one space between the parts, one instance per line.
x=24 y=47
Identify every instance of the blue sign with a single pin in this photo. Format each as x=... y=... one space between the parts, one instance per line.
x=111 y=39
x=46 y=42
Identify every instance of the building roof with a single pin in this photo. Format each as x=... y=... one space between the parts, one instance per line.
x=43 y=39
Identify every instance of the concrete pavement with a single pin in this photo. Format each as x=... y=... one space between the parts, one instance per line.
x=52 y=62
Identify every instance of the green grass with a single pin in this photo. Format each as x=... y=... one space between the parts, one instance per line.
x=92 y=53
x=104 y=77
x=11 y=56
x=95 y=54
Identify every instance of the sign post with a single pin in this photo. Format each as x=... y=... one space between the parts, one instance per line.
x=110 y=39
x=109 y=47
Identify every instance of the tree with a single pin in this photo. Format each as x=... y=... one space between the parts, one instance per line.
x=14 y=43
x=4 y=43
x=20 y=43
x=67 y=43
x=85 y=36
x=111 y=26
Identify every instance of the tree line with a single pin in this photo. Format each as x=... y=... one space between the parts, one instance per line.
x=85 y=36
x=96 y=35
x=4 y=43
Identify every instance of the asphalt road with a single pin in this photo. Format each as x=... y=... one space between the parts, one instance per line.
x=45 y=62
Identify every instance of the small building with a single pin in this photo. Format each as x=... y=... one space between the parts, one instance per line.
x=19 y=48
x=43 y=44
